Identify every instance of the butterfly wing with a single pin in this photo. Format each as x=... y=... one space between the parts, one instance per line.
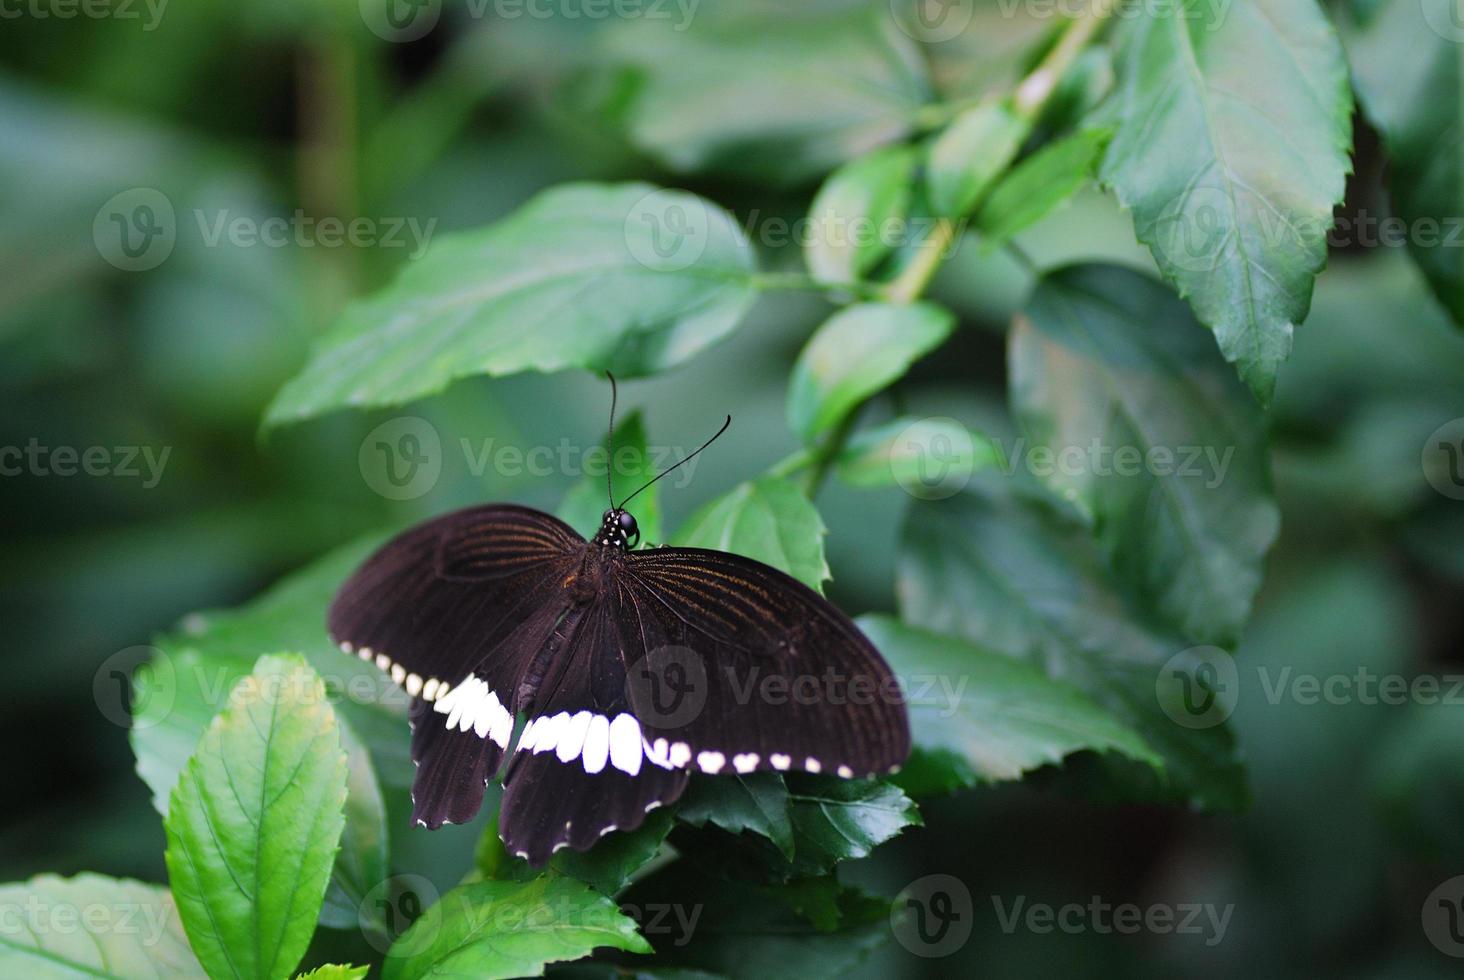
x=580 y=769
x=746 y=668
x=455 y=610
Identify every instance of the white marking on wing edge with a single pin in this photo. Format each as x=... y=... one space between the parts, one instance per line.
x=745 y=762
x=625 y=744
x=812 y=764
x=414 y=684
x=346 y=647
x=398 y=674
x=780 y=761
x=680 y=754
x=597 y=744
x=657 y=753
x=846 y=772
x=572 y=738
x=711 y=762
x=383 y=661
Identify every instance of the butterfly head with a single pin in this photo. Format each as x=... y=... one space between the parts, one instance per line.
x=618 y=528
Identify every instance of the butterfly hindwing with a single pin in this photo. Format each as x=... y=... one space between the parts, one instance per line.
x=454 y=610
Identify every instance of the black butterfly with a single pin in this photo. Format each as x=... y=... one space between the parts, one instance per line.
x=634 y=668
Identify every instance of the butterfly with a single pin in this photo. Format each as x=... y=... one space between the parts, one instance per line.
x=634 y=668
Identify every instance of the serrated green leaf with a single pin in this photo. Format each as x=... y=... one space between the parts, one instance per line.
x=255 y=820
x=1405 y=63
x=965 y=160
x=781 y=96
x=767 y=519
x=923 y=455
x=754 y=802
x=1154 y=441
x=1039 y=185
x=1234 y=125
x=1013 y=576
x=859 y=351
x=634 y=465
x=841 y=819
x=854 y=213
x=92 y=926
x=980 y=716
x=622 y=277
x=492 y=929
x=334 y=971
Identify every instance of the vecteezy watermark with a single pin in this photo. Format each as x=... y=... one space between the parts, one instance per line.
x=1444 y=18
x=1207 y=14
x=36 y=915
x=933 y=916
x=410 y=20
x=127 y=700
x=403 y=458
x=670 y=922
x=933 y=20
x=1204 y=919
x=138 y=229
x=125 y=462
x=1443 y=459
x=841 y=231
x=932 y=458
x=1200 y=687
x=1205 y=464
x=391 y=908
x=1442 y=917
x=149 y=12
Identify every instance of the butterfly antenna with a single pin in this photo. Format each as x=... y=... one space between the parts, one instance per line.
x=684 y=459
x=610 y=443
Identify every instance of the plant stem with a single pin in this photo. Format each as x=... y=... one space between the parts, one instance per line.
x=828 y=451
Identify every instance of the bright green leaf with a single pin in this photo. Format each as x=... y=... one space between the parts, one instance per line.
x=970 y=154
x=1231 y=151
x=767 y=519
x=492 y=929
x=621 y=277
x=1039 y=185
x=255 y=821
x=634 y=464
x=857 y=352
x=782 y=96
x=978 y=716
x=925 y=456
x=855 y=213
x=1153 y=439
x=1406 y=65
x=333 y=971
x=92 y=926
x=1014 y=577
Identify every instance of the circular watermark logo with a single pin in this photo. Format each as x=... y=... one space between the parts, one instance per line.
x=667 y=688
x=932 y=917
x=1445 y=18
x=1198 y=687
x=135 y=687
x=401 y=459
x=391 y=908
x=136 y=229
x=1443 y=459
x=1443 y=917
x=933 y=20
x=400 y=21
x=933 y=458
x=667 y=230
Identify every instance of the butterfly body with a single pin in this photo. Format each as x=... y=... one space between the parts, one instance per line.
x=634 y=669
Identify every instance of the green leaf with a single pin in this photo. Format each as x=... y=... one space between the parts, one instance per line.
x=361 y=863
x=492 y=929
x=859 y=351
x=854 y=213
x=1153 y=440
x=970 y=154
x=1039 y=185
x=755 y=802
x=1231 y=151
x=634 y=464
x=255 y=821
x=766 y=519
x=978 y=716
x=1405 y=63
x=92 y=926
x=1416 y=775
x=815 y=928
x=840 y=819
x=1014 y=577
x=621 y=277
x=333 y=971
x=923 y=455
x=773 y=96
